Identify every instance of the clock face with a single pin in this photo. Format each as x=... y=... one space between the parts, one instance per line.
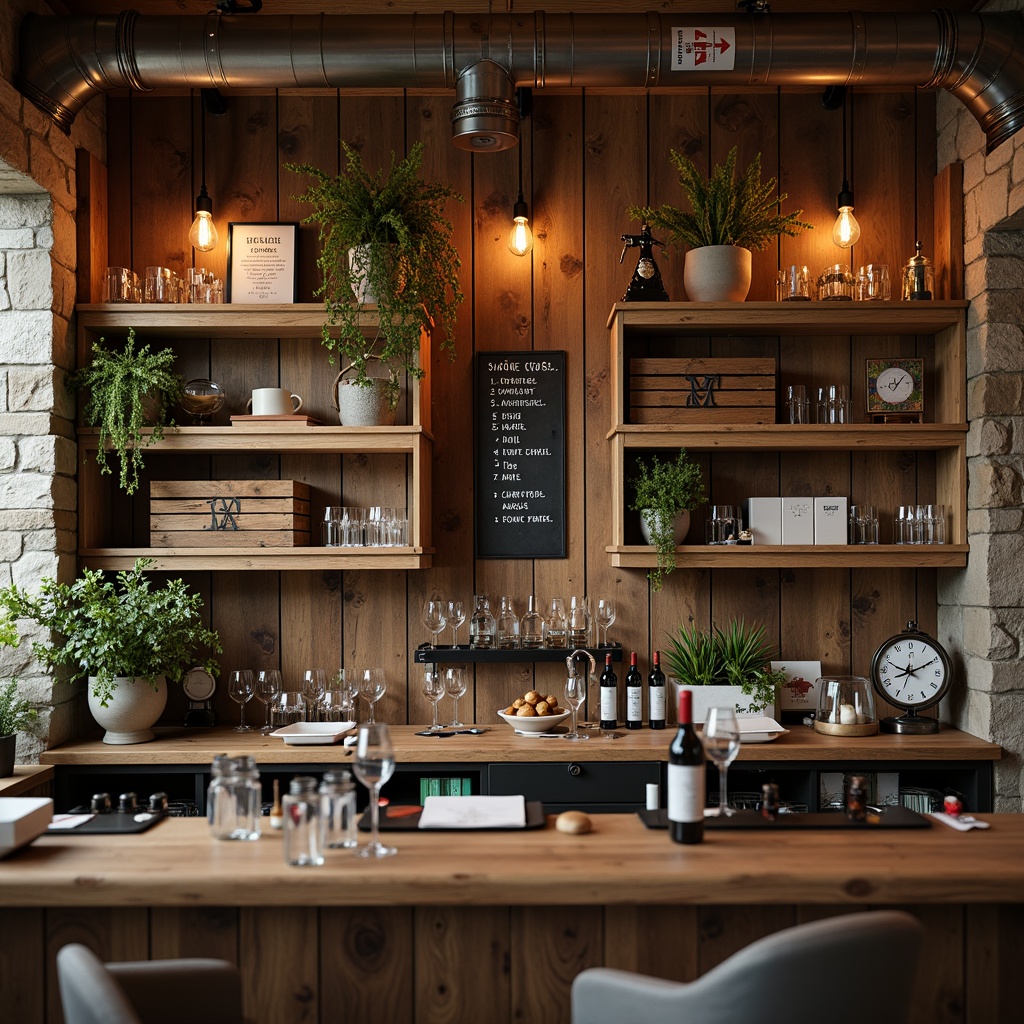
x=911 y=671
x=894 y=385
x=198 y=684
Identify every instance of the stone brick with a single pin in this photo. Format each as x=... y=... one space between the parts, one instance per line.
x=985 y=636
x=1004 y=307
x=17 y=238
x=969 y=137
x=8 y=454
x=945 y=145
x=64 y=291
x=995 y=394
x=999 y=157
x=10 y=547
x=47 y=454
x=64 y=245
x=27 y=490
x=994 y=484
x=973 y=249
x=51 y=172
x=44 y=236
x=31 y=388
x=974 y=171
x=65 y=493
x=13 y=145
x=992 y=198
x=5 y=299
x=41 y=540
x=28 y=336
x=32 y=567
x=989 y=437
x=24 y=423
x=28 y=279
x=28 y=520
x=20 y=211
x=1003 y=272
x=995 y=347
x=994 y=520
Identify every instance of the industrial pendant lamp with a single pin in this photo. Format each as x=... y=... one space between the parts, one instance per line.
x=520 y=238
x=203 y=233
x=846 y=230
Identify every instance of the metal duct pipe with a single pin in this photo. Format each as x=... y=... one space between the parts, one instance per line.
x=977 y=57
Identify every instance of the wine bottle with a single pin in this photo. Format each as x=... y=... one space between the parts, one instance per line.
x=686 y=766
x=634 y=695
x=609 y=695
x=656 y=695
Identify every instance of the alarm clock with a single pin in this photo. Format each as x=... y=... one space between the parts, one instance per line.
x=895 y=390
x=911 y=671
x=199 y=687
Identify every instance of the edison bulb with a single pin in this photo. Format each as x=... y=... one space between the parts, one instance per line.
x=520 y=238
x=846 y=230
x=203 y=233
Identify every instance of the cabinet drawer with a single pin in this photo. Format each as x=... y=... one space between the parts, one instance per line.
x=576 y=782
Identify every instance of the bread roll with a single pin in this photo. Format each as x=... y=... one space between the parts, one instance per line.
x=574 y=822
x=526 y=711
x=532 y=697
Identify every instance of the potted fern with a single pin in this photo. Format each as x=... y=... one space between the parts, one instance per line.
x=384 y=241
x=15 y=711
x=730 y=216
x=128 y=391
x=664 y=493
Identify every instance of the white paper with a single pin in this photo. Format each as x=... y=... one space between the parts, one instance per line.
x=474 y=812
x=960 y=824
x=758 y=723
x=70 y=820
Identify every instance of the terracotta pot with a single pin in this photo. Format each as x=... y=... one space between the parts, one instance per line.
x=133 y=709
x=717 y=273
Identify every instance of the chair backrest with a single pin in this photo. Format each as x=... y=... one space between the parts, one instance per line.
x=88 y=994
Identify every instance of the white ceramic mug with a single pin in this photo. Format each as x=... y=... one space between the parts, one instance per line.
x=273 y=402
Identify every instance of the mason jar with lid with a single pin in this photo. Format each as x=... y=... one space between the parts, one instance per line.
x=301 y=808
x=337 y=811
x=233 y=800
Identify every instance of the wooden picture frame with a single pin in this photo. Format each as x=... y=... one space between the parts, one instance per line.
x=262 y=262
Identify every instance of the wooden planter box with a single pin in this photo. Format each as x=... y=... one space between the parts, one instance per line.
x=714 y=390
x=229 y=513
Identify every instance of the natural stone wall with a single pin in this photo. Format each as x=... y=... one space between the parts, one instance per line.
x=981 y=609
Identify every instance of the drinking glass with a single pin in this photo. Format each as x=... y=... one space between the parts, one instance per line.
x=793 y=285
x=863 y=524
x=353 y=521
x=120 y=284
x=240 y=691
x=371 y=688
x=345 y=685
x=456 y=617
x=435 y=616
x=455 y=686
x=833 y=405
x=433 y=690
x=314 y=685
x=575 y=695
x=931 y=522
x=905 y=525
x=332 y=529
x=723 y=524
x=374 y=764
x=268 y=686
x=605 y=617
x=288 y=707
x=873 y=282
x=579 y=622
x=335 y=706
x=557 y=625
x=797 y=405
x=722 y=744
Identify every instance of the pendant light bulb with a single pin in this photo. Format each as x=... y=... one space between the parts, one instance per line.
x=846 y=230
x=520 y=238
x=203 y=233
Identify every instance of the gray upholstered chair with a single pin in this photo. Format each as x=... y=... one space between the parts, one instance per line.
x=147 y=991
x=851 y=969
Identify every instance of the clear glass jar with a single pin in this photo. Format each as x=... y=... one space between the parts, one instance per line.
x=846 y=706
x=579 y=622
x=482 y=626
x=556 y=626
x=337 y=811
x=234 y=798
x=301 y=808
x=508 y=625
x=531 y=627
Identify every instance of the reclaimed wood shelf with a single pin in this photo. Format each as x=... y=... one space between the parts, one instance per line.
x=797 y=556
x=425 y=654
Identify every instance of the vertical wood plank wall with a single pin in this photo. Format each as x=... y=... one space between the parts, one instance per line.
x=586 y=157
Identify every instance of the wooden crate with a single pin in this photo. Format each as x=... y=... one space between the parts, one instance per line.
x=714 y=390
x=228 y=513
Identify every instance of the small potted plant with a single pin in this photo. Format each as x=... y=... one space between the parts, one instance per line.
x=384 y=241
x=664 y=493
x=127 y=637
x=128 y=390
x=730 y=216
x=15 y=712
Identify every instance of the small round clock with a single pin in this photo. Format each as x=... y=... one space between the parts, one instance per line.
x=199 y=687
x=894 y=390
x=912 y=671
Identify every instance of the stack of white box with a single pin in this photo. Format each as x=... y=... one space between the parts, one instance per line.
x=798 y=520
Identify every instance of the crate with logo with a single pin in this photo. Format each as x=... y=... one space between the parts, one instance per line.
x=708 y=390
x=229 y=513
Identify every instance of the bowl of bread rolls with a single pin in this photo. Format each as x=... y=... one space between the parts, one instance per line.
x=534 y=712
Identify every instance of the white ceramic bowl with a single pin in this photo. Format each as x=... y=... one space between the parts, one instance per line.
x=539 y=723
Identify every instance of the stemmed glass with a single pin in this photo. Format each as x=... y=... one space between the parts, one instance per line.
x=433 y=690
x=455 y=686
x=575 y=695
x=374 y=764
x=435 y=616
x=268 y=686
x=456 y=617
x=371 y=688
x=722 y=744
x=314 y=685
x=240 y=691
x=344 y=684
x=605 y=617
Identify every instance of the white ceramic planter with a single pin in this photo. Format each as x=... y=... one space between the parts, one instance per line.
x=364 y=406
x=132 y=711
x=359 y=265
x=707 y=697
x=717 y=273
x=680 y=525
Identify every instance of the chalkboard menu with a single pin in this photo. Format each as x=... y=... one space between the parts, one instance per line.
x=520 y=455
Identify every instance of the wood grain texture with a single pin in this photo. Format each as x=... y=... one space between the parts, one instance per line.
x=22 y=965
x=280 y=965
x=661 y=941
x=194 y=931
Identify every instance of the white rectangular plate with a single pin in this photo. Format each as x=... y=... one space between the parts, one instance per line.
x=308 y=733
x=759 y=729
x=473 y=812
x=22 y=818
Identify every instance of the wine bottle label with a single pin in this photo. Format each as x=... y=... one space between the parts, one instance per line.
x=608 y=709
x=634 y=704
x=656 y=700
x=685 y=792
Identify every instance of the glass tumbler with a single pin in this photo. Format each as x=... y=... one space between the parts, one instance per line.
x=931 y=523
x=797 y=405
x=333 y=532
x=793 y=284
x=120 y=284
x=287 y=709
x=873 y=283
x=905 y=529
x=833 y=403
x=863 y=524
x=162 y=285
x=723 y=524
x=353 y=524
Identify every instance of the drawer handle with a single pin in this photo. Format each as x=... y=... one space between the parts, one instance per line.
x=574 y=769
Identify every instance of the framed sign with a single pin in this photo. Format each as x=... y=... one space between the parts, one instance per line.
x=262 y=264
x=520 y=455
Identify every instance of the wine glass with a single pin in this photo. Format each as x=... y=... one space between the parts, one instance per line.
x=455 y=686
x=374 y=764
x=605 y=617
x=371 y=688
x=722 y=744
x=575 y=695
x=240 y=691
x=344 y=684
x=433 y=690
x=314 y=685
x=268 y=686
x=456 y=617
x=435 y=616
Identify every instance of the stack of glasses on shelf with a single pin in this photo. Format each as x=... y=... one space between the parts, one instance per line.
x=835 y=282
x=832 y=404
x=912 y=524
x=324 y=696
x=162 y=285
x=380 y=526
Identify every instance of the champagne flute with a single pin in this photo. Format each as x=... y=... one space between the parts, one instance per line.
x=314 y=685
x=456 y=617
x=575 y=695
x=435 y=616
x=371 y=688
x=374 y=764
x=605 y=617
x=268 y=686
x=433 y=690
x=240 y=691
x=455 y=686
x=722 y=744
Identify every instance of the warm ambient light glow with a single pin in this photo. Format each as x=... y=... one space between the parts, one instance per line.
x=846 y=231
x=520 y=238
x=203 y=233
